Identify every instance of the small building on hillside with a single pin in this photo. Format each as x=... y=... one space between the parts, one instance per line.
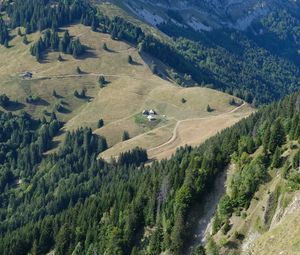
x=152 y=112
x=151 y=118
x=145 y=112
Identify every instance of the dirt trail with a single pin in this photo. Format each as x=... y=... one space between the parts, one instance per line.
x=195 y=131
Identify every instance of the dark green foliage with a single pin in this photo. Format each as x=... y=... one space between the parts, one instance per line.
x=51 y=41
x=232 y=102
x=100 y=123
x=199 y=250
x=236 y=62
x=4 y=100
x=25 y=40
x=212 y=248
x=6 y=43
x=125 y=136
x=72 y=202
x=130 y=60
x=133 y=157
x=276 y=159
x=4 y=35
x=183 y=100
x=32 y=99
x=277 y=136
x=102 y=81
x=70 y=191
x=41 y=14
x=104 y=47
x=76 y=94
x=59 y=107
x=153 y=68
x=208 y=108
x=81 y=94
x=247 y=181
x=19 y=32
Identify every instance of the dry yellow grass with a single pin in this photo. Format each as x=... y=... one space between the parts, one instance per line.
x=163 y=142
x=131 y=88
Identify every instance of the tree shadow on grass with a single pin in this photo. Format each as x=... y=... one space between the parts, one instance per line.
x=110 y=50
x=64 y=110
x=135 y=63
x=40 y=102
x=86 y=55
x=14 y=106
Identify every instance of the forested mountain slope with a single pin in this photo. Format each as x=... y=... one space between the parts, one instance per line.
x=72 y=202
x=249 y=48
x=89 y=79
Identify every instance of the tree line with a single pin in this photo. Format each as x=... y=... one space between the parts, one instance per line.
x=71 y=202
x=52 y=41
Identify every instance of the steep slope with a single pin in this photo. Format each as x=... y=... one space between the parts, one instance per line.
x=71 y=202
x=206 y=15
x=283 y=237
x=259 y=212
x=259 y=63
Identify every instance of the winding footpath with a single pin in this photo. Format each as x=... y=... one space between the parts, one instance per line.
x=175 y=131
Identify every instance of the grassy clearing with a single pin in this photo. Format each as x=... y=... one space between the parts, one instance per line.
x=130 y=89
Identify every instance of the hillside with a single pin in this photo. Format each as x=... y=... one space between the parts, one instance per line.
x=131 y=89
x=55 y=202
x=249 y=48
x=162 y=142
x=258 y=214
x=205 y=15
x=120 y=139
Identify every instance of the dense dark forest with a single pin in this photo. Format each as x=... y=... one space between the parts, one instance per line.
x=71 y=202
x=52 y=41
x=238 y=63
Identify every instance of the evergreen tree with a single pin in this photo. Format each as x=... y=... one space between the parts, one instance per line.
x=130 y=60
x=198 y=250
x=208 y=108
x=277 y=136
x=4 y=100
x=25 y=40
x=83 y=93
x=105 y=47
x=102 y=81
x=276 y=160
x=63 y=240
x=100 y=123
x=76 y=94
x=6 y=44
x=125 y=136
x=19 y=32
